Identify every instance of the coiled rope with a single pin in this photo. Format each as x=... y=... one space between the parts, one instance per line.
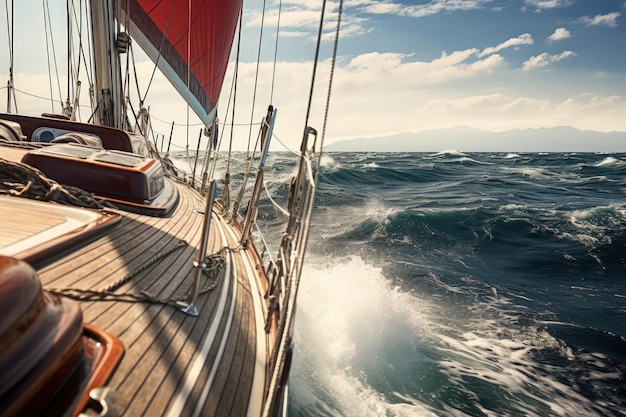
x=21 y=180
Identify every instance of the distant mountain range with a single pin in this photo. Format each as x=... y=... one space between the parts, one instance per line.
x=463 y=138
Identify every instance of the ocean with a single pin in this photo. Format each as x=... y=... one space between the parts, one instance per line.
x=464 y=284
x=460 y=284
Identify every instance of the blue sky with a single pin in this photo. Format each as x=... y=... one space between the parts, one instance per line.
x=494 y=65
x=411 y=66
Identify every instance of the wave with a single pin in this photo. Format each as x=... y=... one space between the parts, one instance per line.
x=366 y=347
x=485 y=237
x=440 y=287
x=610 y=161
x=491 y=349
x=456 y=157
x=354 y=338
x=451 y=152
x=370 y=175
x=329 y=164
x=609 y=166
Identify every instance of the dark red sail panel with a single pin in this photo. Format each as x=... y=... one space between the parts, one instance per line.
x=190 y=40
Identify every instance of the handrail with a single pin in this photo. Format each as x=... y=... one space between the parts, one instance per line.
x=285 y=279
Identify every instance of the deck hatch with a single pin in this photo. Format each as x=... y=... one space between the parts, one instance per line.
x=110 y=174
x=33 y=230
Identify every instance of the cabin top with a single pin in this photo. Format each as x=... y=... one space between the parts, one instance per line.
x=53 y=129
x=109 y=163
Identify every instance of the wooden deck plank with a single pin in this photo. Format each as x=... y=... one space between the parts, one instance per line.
x=224 y=398
x=207 y=352
x=191 y=355
x=118 y=254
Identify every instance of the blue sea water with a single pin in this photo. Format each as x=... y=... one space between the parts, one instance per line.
x=452 y=284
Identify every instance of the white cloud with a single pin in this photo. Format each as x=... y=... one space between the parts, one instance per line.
x=559 y=34
x=525 y=39
x=525 y=105
x=545 y=59
x=548 y=4
x=300 y=19
x=401 y=110
x=381 y=94
x=609 y=19
x=376 y=71
x=422 y=10
x=294 y=17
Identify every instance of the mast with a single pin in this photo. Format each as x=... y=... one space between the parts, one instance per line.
x=108 y=88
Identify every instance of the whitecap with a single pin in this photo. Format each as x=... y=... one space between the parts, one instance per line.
x=328 y=163
x=609 y=161
x=530 y=172
x=371 y=165
x=451 y=152
x=348 y=316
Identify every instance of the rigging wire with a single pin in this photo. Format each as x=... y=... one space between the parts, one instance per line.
x=280 y=8
x=188 y=70
x=73 y=60
x=11 y=38
x=256 y=75
x=54 y=56
x=315 y=179
x=331 y=77
x=233 y=96
x=92 y=76
x=10 y=30
x=285 y=145
x=69 y=48
x=234 y=92
x=81 y=54
x=81 y=57
x=46 y=12
x=315 y=63
x=132 y=52
x=156 y=61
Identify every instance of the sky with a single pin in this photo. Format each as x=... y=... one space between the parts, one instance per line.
x=401 y=67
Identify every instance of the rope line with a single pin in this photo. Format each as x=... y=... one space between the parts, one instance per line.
x=276 y=205
x=212 y=271
x=20 y=180
x=158 y=256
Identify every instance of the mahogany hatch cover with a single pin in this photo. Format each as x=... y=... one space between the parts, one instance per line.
x=113 y=174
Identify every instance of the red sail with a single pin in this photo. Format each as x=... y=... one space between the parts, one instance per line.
x=190 y=40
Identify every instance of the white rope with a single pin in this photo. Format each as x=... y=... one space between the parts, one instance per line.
x=279 y=208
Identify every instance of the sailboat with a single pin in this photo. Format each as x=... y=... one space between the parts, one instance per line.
x=130 y=288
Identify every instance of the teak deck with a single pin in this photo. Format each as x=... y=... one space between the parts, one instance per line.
x=174 y=364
